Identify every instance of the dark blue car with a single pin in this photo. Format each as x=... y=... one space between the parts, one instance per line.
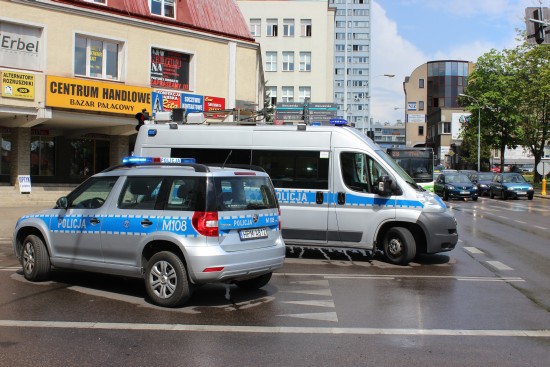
x=482 y=180
x=455 y=185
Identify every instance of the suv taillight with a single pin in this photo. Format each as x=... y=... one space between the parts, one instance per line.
x=206 y=223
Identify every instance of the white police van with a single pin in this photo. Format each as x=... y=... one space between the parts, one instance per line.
x=173 y=223
x=335 y=186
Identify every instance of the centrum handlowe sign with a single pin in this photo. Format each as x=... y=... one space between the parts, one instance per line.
x=96 y=96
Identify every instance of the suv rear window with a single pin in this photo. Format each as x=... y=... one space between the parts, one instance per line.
x=244 y=193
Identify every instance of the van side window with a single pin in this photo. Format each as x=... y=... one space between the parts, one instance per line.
x=360 y=172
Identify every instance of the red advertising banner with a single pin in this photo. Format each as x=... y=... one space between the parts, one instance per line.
x=214 y=104
x=169 y=69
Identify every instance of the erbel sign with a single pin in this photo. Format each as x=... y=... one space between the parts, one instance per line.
x=20 y=46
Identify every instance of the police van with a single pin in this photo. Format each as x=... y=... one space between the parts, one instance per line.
x=171 y=221
x=335 y=186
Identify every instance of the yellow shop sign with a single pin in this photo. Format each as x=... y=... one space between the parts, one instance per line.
x=17 y=85
x=96 y=96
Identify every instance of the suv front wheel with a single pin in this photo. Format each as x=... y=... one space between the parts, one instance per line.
x=166 y=280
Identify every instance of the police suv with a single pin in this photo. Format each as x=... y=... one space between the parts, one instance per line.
x=172 y=222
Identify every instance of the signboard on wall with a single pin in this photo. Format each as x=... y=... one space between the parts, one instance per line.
x=96 y=96
x=17 y=85
x=20 y=46
x=169 y=69
x=458 y=122
x=411 y=106
x=416 y=117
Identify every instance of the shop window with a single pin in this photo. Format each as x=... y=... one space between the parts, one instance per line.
x=88 y=156
x=6 y=154
x=97 y=58
x=163 y=8
x=42 y=156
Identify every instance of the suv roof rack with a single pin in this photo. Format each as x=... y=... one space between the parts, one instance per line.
x=196 y=166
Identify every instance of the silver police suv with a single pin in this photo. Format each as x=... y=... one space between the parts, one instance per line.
x=173 y=223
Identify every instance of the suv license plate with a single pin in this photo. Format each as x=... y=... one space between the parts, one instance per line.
x=252 y=234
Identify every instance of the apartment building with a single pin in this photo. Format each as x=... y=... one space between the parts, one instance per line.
x=297 y=43
x=75 y=73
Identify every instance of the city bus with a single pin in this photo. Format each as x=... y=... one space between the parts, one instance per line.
x=418 y=163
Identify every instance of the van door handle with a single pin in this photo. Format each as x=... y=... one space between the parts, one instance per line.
x=94 y=220
x=341 y=198
x=146 y=222
x=319 y=197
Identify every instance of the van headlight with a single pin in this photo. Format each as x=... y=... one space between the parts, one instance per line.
x=432 y=202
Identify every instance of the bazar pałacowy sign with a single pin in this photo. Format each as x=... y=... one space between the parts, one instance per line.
x=96 y=96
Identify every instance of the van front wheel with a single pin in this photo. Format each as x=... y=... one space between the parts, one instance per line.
x=399 y=246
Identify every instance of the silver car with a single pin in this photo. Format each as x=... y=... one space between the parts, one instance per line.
x=174 y=224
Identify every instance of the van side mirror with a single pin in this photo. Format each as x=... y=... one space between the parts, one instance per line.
x=62 y=203
x=384 y=186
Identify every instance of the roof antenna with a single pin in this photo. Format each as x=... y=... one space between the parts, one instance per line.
x=229 y=155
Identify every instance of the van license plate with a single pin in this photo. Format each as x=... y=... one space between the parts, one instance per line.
x=252 y=234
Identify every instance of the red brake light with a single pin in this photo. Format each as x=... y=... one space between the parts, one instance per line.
x=213 y=270
x=280 y=221
x=206 y=223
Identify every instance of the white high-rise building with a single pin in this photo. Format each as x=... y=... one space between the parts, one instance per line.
x=297 y=46
x=352 y=59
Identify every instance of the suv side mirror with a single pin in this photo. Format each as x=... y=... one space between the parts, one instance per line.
x=62 y=203
x=384 y=186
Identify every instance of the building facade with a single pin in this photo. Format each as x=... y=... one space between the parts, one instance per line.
x=296 y=38
x=75 y=73
x=432 y=114
x=389 y=135
x=352 y=61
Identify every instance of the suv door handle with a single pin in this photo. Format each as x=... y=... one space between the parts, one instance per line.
x=94 y=220
x=341 y=198
x=319 y=197
x=146 y=222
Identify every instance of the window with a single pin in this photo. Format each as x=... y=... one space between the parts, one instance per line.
x=92 y=194
x=305 y=92
x=271 y=61
x=421 y=105
x=170 y=69
x=421 y=130
x=256 y=27
x=42 y=156
x=340 y=36
x=163 y=8
x=272 y=93
x=305 y=27
x=6 y=141
x=288 y=27
x=420 y=83
x=96 y=1
x=187 y=194
x=288 y=61
x=360 y=172
x=271 y=28
x=446 y=128
x=97 y=58
x=140 y=193
x=288 y=94
x=305 y=61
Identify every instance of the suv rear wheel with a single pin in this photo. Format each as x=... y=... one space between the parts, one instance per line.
x=166 y=280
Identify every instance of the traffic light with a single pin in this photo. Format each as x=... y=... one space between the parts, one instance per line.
x=539 y=27
x=141 y=117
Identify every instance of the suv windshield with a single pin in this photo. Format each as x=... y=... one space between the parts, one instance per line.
x=244 y=193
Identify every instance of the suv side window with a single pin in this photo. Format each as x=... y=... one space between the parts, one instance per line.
x=187 y=193
x=92 y=194
x=140 y=193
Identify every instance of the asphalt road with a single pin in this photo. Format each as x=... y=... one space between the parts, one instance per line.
x=485 y=303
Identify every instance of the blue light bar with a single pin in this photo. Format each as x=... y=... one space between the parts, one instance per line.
x=338 y=122
x=132 y=160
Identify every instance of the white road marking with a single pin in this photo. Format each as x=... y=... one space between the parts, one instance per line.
x=320 y=316
x=322 y=283
x=473 y=250
x=520 y=221
x=498 y=265
x=394 y=276
x=535 y=333
x=543 y=228
x=319 y=303
x=320 y=292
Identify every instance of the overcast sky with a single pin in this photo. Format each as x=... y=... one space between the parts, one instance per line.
x=409 y=33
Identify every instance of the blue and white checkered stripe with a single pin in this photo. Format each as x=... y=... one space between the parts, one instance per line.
x=231 y=222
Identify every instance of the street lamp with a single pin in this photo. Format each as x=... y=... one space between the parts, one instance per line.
x=367 y=96
x=478 y=127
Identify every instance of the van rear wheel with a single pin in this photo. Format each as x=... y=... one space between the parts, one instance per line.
x=166 y=280
x=399 y=246
x=254 y=283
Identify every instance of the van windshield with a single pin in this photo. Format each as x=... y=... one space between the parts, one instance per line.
x=400 y=171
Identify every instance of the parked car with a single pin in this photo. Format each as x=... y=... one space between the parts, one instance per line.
x=482 y=180
x=455 y=185
x=495 y=169
x=510 y=185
